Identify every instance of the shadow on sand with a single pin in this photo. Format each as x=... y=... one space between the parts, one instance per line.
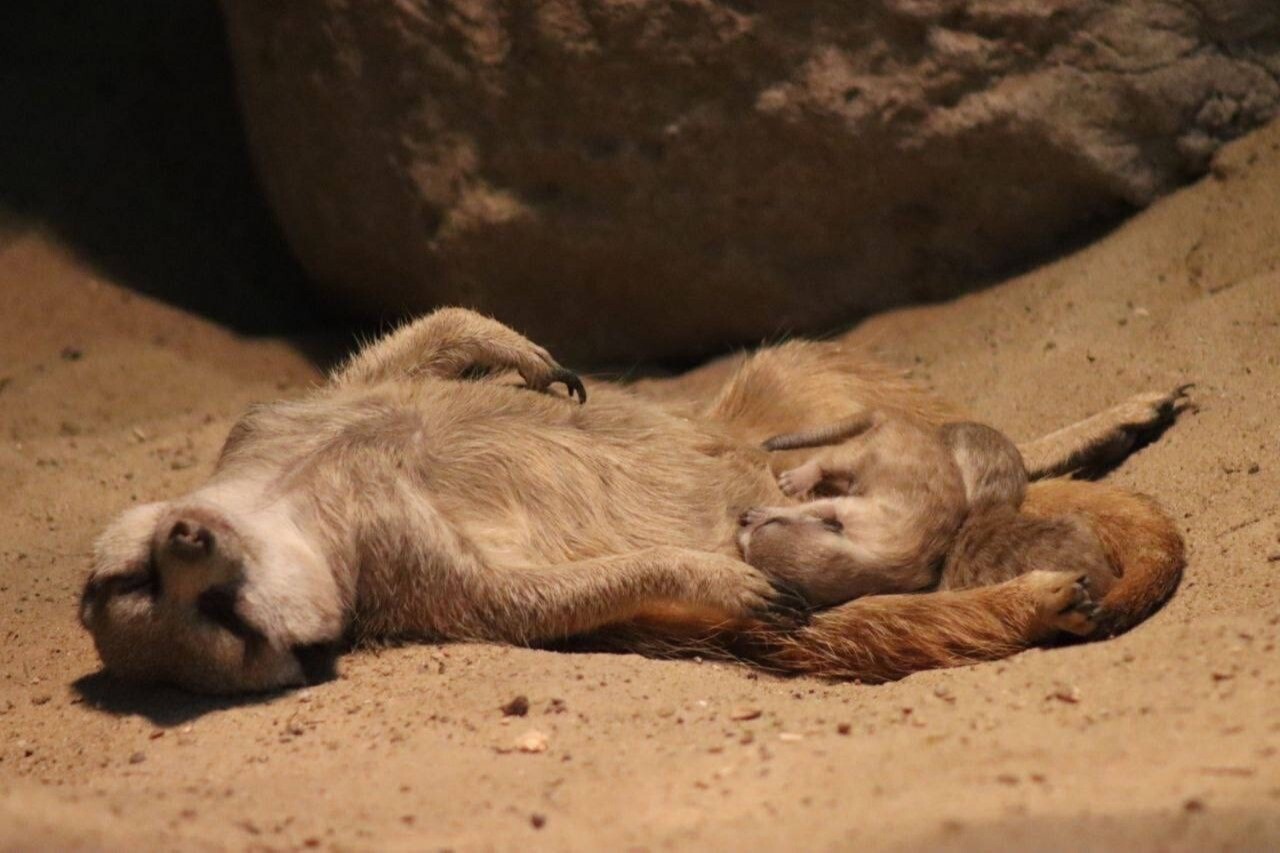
x=122 y=136
x=162 y=706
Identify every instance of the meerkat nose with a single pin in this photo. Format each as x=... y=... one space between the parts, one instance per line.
x=190 y=540
x=191 y=558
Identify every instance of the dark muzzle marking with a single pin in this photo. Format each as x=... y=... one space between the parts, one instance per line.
x=218 y=605
x=318 y=661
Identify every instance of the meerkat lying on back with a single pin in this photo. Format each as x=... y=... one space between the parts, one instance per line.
x=407 y=499
x=907 y=507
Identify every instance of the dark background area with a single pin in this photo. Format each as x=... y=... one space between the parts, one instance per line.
x=120 y=133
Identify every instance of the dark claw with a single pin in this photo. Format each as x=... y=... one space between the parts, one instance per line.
x=571 y=382
x=1083 y=602
x=1079 y=597
x=475 y=372
x=788 y=606
x=1178 y=403
x=1182 y=401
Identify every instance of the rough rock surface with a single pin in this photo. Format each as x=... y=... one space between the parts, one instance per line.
x=648 y=178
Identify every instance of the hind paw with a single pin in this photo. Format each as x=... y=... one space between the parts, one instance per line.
x=799 y=481
x=1153 y=409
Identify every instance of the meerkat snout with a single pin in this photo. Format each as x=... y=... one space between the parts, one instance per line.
x=190 y=540
x=194 y=550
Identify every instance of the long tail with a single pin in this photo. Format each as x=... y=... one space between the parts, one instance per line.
x=823 y=435
x=875 y=638
x=886 y=637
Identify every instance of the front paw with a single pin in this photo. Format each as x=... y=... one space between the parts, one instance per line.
x=754 y=517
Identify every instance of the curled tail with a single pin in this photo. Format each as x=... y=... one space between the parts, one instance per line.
x=1137 y=536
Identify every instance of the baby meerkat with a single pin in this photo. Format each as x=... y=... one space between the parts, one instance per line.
x=997 y=540
x=889 y=501
x=910 y=507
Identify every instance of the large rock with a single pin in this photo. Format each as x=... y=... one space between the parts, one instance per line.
x=630 y=179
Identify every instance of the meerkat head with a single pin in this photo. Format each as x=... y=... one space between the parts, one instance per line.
x=219 y=591
x=808 y=551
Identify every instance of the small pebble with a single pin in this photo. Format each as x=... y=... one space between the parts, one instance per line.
x=1070 y=695
x=532 y=741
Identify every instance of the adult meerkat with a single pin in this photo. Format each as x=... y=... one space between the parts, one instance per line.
x=399 y=501
x=911 y=506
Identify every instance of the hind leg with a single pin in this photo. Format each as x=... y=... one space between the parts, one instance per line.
x=1103 y=439
x=800 y=480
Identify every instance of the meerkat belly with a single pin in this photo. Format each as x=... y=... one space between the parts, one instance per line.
x=548 y=484
x=897 y=531
x=919 y=501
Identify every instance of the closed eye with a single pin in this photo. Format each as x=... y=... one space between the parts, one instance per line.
x=143 y=578
x=833 y=524
x=218 y=605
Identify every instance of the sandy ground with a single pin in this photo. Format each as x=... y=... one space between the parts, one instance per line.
x=1166 y=738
